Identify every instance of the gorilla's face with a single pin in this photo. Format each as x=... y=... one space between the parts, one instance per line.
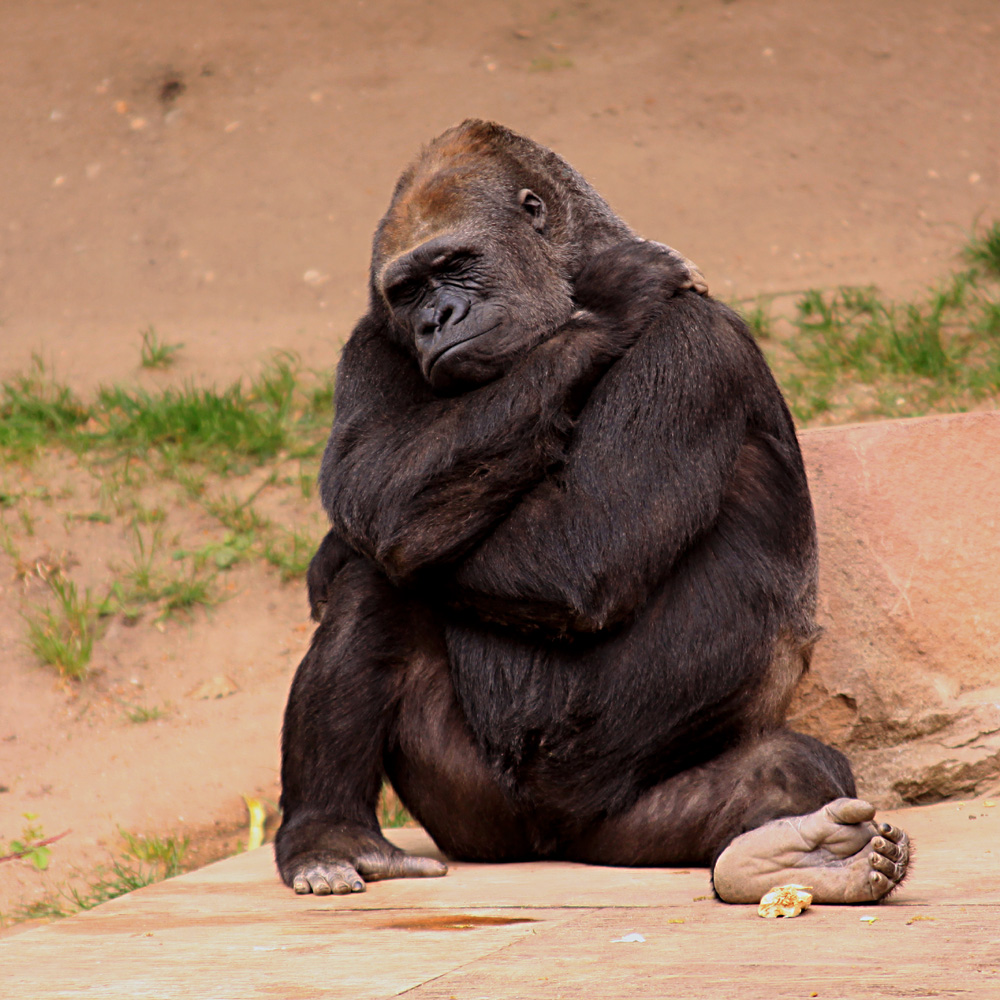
x=472 y=299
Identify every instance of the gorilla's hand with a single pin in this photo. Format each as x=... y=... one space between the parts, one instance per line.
x=332 y=554
x=620 y=294
x=696 y=280
x=628 y=280
x=347 y=857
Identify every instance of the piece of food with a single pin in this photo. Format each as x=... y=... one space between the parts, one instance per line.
x=785 y=901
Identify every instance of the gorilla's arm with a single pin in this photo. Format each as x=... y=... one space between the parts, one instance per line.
x=331 y=557
x=409 y=479
x=651 y=459
x=412 y=480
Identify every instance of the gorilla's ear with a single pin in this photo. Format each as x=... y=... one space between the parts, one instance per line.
x=534 y=206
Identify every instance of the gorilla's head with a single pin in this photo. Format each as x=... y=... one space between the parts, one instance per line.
x=476 y=257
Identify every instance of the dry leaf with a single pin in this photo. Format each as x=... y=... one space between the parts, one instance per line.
x=258 y=816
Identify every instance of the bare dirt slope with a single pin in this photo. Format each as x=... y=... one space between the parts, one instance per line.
x=215 y=170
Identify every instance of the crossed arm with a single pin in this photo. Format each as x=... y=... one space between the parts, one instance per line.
x=525 y=507
x=646 y=473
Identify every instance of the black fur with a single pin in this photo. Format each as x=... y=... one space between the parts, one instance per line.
x=570 y=577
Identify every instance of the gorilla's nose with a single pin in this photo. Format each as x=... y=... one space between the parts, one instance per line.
x=448 y=309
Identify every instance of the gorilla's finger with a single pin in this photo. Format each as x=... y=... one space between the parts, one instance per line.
x=400 y=866
x=326 y=880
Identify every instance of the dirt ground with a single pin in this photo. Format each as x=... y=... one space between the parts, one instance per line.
x=215 y=171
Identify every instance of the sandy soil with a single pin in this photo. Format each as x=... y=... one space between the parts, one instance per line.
x=215 y=170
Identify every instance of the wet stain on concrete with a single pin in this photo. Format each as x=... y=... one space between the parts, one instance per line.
x=451 y=922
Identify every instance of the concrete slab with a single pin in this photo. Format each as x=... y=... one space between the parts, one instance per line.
x=530 y=930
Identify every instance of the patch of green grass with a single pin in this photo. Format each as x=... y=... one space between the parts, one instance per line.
x=250 y=533
x=234 y=548
x=119 y=476
x=148 y=582
x=193 y=424
x=253 y=535
x=36 y=412
x=758 y=318
x=319 y=402
x=194 y=484
x=289 y=552
x=166 y=853
x=109 y=883
x=8 y=545
x=142 y=573
x=140 y=714
x=807 y=401
x=245 y=424
x=117 y=602
x=855 y=354
x=983 y=250
x=185 y=593
x=154 y=353
x=148 y=515
x=238 y=516
x=837 y=330
x=131 y=442
x=63 y=637
x=307 y=484
x=391 y=812
x=50 y=907
x=94 y=517
x=988 y=322
x=144 y=861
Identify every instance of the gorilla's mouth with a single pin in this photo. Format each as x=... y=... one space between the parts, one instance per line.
x=449 y=349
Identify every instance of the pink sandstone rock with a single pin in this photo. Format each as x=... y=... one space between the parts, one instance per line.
x=906 y=680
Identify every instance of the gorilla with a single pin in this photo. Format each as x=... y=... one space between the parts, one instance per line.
x=569 y=583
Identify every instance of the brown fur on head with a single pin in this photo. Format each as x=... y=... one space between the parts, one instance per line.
x=470 y=176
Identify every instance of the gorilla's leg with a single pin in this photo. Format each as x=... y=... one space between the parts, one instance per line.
x=440 y=775
x=772 y=811
x=338 y=718
x=374 y=693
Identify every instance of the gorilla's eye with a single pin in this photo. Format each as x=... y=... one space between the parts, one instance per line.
x=453 y=264
x=406 y=282
x=405 y=292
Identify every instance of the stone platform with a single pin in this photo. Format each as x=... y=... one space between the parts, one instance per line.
x=905 y=681
x=231 y=931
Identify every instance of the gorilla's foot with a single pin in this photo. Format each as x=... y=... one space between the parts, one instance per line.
x=837 y=850
x=354 y=859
